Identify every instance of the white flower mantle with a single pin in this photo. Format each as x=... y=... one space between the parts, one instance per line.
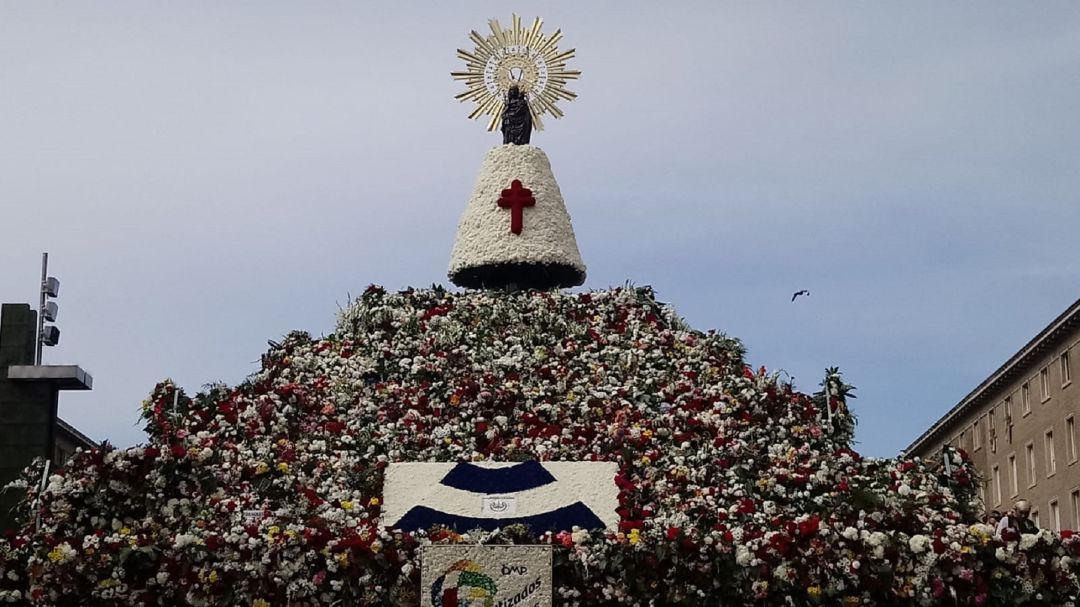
x=484 y=236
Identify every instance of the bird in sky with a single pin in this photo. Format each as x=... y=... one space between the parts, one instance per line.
x=798 y=293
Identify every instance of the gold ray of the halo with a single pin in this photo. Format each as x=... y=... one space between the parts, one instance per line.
x=486 y=46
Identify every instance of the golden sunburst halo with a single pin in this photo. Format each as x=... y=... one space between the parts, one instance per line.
x=523 y=56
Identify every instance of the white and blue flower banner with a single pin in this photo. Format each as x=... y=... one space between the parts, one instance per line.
x=546 y=496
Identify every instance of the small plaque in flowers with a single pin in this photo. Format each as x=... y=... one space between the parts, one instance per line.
x=493 y=576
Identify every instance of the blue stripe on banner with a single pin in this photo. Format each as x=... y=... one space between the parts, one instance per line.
x=511 y=479
x=561 y=519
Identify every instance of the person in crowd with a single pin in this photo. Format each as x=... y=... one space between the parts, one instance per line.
x=1018 y=520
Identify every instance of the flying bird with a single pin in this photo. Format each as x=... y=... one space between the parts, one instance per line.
x=798 y=293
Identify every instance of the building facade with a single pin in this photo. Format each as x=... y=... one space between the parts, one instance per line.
x=1019 y=427
x=29 y=396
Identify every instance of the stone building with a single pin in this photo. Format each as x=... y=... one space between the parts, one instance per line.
x=29 y=395
x=1019 y=427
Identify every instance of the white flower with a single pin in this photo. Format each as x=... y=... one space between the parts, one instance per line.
x=185 y=539
x=743 y=556
x=1028 y=540
x=919 y=543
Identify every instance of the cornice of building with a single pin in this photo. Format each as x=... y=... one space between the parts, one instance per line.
x=1018 y=362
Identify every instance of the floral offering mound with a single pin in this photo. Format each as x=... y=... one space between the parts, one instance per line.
x=734 y=488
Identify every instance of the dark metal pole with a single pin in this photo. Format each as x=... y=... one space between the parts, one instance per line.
x=41 y=307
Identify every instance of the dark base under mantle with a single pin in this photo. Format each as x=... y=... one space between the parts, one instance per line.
x=519 y=276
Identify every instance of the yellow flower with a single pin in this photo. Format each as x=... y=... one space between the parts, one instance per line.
x=634 y=537
x=260 y=603
x=262 y=468
x=272 y=532
x=346 y=504
x=283 y=468
x=213 y=576
x=342 y=558
x=851 y=601
x=814 y=591
x=376 y=546
x=373 y=501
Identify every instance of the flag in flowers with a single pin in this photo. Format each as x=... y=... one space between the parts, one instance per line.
x=548 y=496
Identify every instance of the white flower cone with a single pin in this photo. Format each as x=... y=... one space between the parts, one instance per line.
x=489 y=254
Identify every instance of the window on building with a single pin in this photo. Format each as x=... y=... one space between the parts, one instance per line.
x=976 y=434
x=1066 y=372
x=1029 y=450
x=1044 y=383
x=1014 y=477
x=1025 y=398
x=1008 y=420
x=1075 y=499
x=982 y=493
x=1055 y=515
x=997 y=487
x=1035 y=517
x=1070 y=439
x=991 y=431
x=1051 y=457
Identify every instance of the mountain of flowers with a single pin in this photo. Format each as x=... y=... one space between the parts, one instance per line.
x=735 y=489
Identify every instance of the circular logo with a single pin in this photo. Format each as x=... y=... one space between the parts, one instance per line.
x=463 y=585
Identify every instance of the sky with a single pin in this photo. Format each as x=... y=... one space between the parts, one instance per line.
x=210 y=175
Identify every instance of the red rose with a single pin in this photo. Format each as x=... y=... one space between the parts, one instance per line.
x=937 y=587
x=178 y=451
x=809 y=526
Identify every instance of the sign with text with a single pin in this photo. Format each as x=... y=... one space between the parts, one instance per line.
x=498 y=505
x=485 y=576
